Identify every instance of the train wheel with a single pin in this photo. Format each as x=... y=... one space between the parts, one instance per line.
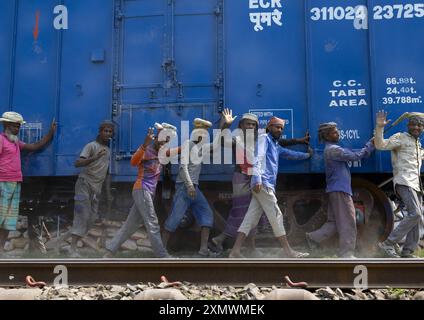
x=374 y=214
x=306 y=211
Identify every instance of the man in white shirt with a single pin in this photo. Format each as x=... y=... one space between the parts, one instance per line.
x=187 y=192
x=407 y=155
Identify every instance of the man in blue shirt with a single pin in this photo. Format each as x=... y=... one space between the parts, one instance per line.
x=341 y=211
x=263 y=181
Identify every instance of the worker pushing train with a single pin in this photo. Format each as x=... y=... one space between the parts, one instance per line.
x=263 y=182
x=187 y=193
x=94 y=161
x=341 y=211
x=11 y=177
x=143 y=212
x=244 y=151
x=407 y=156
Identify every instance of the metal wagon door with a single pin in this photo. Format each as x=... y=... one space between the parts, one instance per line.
x=167 y=68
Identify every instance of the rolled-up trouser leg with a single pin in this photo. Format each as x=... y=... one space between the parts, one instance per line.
x=412 y=239
x=82 y=208
x=345 y=221
x=95 y=200
x=410 y=224
x=268 y=201
x=329 y=228
x=144 y=203
x=252 y=217
x=133 y=222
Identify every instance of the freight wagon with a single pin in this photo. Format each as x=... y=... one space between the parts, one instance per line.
x=138 y=62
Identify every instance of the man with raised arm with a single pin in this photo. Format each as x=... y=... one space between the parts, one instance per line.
x=407 y=156
x=11 y=177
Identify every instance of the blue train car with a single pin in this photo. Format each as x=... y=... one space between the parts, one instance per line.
x=141 y=61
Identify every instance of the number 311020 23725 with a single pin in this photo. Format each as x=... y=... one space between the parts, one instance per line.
x=387 y=12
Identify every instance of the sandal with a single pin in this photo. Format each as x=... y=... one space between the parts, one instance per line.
x=297 y=254
x=301 y=254
x=207 y=254
x=388 y=249
x=213 y=246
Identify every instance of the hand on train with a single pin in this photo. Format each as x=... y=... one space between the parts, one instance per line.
x=306 y=138
x=310 y=151
x=227 y=115
x=257 y=188
x=53 y=126
x=381 y=119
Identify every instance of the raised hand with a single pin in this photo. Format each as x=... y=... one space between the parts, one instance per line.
x=149 y=137
x=227 y=115
x=381 y=119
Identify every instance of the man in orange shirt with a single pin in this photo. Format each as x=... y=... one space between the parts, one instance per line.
x=146 y=159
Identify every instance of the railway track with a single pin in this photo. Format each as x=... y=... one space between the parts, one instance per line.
x=341 y=273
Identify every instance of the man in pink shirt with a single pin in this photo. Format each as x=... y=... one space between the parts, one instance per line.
x=11 y=172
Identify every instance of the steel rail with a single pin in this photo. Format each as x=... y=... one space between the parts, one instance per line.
x=341 y=273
